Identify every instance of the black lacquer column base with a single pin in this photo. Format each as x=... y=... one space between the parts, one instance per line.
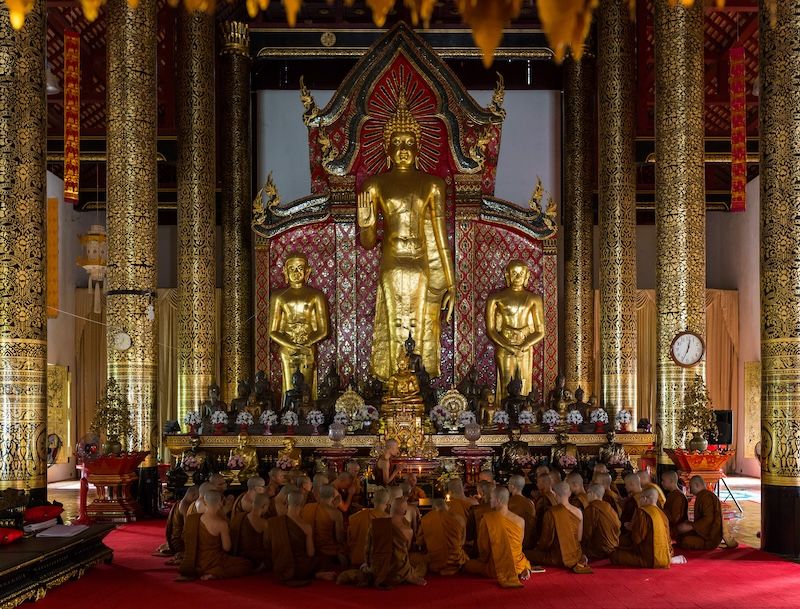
x=780 y=520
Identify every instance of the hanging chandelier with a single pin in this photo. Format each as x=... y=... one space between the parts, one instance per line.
x=95 y=260
x=565 y=22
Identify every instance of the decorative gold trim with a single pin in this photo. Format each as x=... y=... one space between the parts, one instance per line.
x=235 y=38
x=540 y=53
x=720 y=158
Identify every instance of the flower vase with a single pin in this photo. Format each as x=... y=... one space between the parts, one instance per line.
x=599 y=427
x=192 y=429
x=623 y=427
x=501 y=427
x=290 y=430
x=267 y=430
x=526 y=429
x=315 y=432
x=242 y=429
x=218 y=428
x=551 y=428
x=573 y=428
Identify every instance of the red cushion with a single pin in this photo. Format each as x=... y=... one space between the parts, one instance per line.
x=9 y=535
x=42 y=513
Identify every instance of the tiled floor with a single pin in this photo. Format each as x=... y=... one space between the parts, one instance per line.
x=746 y=490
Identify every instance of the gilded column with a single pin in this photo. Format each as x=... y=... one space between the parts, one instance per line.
x=131 y=212
x=780 y=275
x=237 y=343
x=578 y=223
x=196 y=208
x=617 y=206
x=23 y=319
x=680 y=201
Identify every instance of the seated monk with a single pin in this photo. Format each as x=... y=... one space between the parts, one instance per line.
x=545 y=499
x=345 y=487
x=524 y=508
x=630 y=504
x=249 y=530
x=244 y=502
x=327 y=523
x=280 y=502
x=601 y=525
x=216 y=484
x=388 y=562
x=277 y=479
x=175 y=520
x=500 y=554
x=290 y=544
x=676 y=506
x=317 y=482
x=303 y=484
x=457 y=502
x=357 y=502
x=578 y=496
x=485 y=475
x=398 y=491
x=646 y=482
x=705 y=531
x=650 y=546
x=610 y=495
x=442 y=535
x=477 y=511
x=415 y=493
x=207 y=539
x=359 y=523
x=555 y=476
x=542 y=469
x=560 y=538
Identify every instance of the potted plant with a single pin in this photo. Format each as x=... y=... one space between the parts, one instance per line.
x=574 y=418
x=525 y=420
x=550 y=419
x=268 y=418
x=696 y=415
x=113 y=418
x=244 y=420
x=193 y=419
x=315 y=418
x=219 y=419
x=600 y=418
x=438 y=416
x=500 y=419
x=291 y=420
x=623 y=419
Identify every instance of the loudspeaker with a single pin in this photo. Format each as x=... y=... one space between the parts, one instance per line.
x=724 y=426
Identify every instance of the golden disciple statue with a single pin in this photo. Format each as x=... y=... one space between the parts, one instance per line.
x=514 y=323
x=298 y=321
x=416 y=277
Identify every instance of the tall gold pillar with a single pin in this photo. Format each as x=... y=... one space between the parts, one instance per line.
x=578 y=223
x=779 y=73
x=237 y=306
x=196 y=208
x=23 y=319
x=617 y=206
x=680 y=201
x=131 y=211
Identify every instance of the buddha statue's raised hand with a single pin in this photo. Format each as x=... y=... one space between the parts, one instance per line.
x=366 y=209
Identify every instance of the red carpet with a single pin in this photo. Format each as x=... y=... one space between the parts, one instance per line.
x=737 y=579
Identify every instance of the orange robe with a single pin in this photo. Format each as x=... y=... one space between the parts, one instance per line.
x=651 y=546
x=542 y=504
x=416 y=494
x=460 y=507
x=601 y=529
x=612 y=499
x=286 y=546
x=204 y=554
x=357 y=530
x=580 y=501
x=474 y=517
x=707 y=524
x=237 y=505
x=525 y=509
x=174 y=531
x=661 y=498
x=442 y=534
x=676 y=508
x=388 y=554
x=246 y=541
x=500 y=554
x=629 y=507
x=558 y=545
x=324 y=527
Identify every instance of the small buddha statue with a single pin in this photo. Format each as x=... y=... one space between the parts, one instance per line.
x=488 y=406
x=242 y=397
x=468 y=387
x=414 y=360
x=514 y=403
x=197 y=455
x=611 y=449
x=291 y=452
x=532 y=399
x=579 y=404
x=559 y=449
x=403 y=384
x=513 y=450
x=213 y=403
x=262 y=392
x=328 y=392
x=293 y=399
x=558 y=394
x=248 y=455
x=425 y=389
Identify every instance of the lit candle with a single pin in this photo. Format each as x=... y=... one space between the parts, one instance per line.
x=419 y=469
x=447 y=497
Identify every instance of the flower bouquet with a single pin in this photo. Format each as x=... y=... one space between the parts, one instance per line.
x=618 y=460
x=438 y=416
x=600 y=418
x=244 y=420
x=500 y=419
x=526 y=419
x=466 y=417
x=315 y=418
x=268 y=418
x=219 y=419
x=235 y=462
x=284 y=463
x=623 y=419
x=551 y=419
x=368 y=414
x=567 y=462
x=291 y=420
x=574 y=418
x=193 y=420
x=341 y=418
x=190 y=463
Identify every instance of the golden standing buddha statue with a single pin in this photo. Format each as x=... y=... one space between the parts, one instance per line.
x=298 y=321
x=514 y=323
x=416 y=277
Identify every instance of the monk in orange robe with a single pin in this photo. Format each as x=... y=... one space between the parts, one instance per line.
x=415 y=493
x=174 y=531
x=327 y=523
x=244 y=502
x=524 y=508
x=650 y=546
x=601 y=525
x=500 y=554
x=610 y=494
x=457 y=502
x=646 y=482
x=705 y=531
x=630 y=504
x=359 y=523
x=542 y=469
x=442 y=535
x=207 y=539
x=676 y=506
x=545 y=499
x=476 y=512
x=560 y=538
x=215 y=483
x=249 y=530
x=277 y=480
x=578 y=496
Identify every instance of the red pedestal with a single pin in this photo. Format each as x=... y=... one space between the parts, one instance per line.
x=707 y=465
x=473 y=457
x=337 y=457
x=112 y=476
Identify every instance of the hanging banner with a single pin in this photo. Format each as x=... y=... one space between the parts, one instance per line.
x=72 y=115
x=738 y=97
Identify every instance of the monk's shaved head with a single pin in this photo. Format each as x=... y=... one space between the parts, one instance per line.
x=320 y=480
x=595 y=491
x=260 y=502
x=399 y=507
x=455 y=486
x=217 y=481
x=696 y=484
x=439 y=505
x=575 y=478
x=600 y=468
x=395 y=492
x=562 y=490
x=499 y=496
x=632 y=483
x=295 y=499
x=213 y=499
x=605 y=480
x=486 y=474
x=542 y=469
x=255 y=482
x=517 y=482
x=275 y=473
x=192 y=493
x=380 y=499
x=544 y=481
x=485 y=490
x=326 y=492
x=670 y=474
x=649 y=496
x=644 y=476
x=345 y=478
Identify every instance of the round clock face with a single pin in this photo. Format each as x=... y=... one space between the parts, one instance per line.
x=122 y=342
x=687 y=349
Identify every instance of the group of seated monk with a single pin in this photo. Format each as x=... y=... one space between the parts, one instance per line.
x=305 y=529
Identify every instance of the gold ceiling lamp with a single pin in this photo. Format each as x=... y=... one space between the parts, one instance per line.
x=95 y=260
x=487 y=20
